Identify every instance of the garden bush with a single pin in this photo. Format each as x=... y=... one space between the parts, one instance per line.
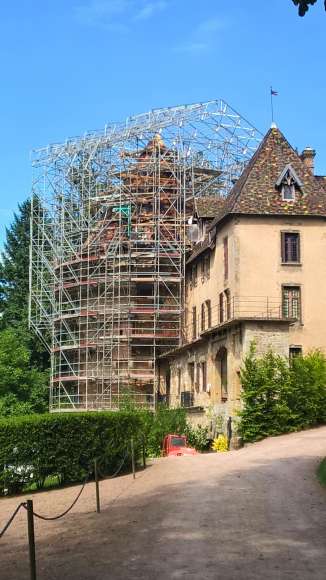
x=279 y=397
x=157 y=425
x=64 y=445
x=198 y=437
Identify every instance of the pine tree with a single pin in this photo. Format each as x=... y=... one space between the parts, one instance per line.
x=14 y=270
x=26 y=390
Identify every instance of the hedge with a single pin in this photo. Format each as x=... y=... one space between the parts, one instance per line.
x=64 y=445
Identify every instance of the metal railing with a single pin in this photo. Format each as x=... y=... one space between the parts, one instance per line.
x=232 y=309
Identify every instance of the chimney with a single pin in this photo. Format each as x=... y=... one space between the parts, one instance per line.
x=308 y=157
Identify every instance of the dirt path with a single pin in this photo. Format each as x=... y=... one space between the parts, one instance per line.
x=253 y=514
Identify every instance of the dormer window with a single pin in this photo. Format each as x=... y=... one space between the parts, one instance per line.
x=288 y=191
x=288 y=183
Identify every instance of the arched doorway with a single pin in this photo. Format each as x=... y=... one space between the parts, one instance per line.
x=222 y=367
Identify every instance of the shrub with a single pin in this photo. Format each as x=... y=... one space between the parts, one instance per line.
x=64 y=445
x=278 y=397
x=307 y=398
x=197 y=437
x=220 y=444
x=163 y=422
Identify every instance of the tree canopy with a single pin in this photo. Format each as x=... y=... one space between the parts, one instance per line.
x=14 y=268
x=23 y=360
x=303 y=5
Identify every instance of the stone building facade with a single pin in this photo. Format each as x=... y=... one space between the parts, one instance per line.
x=257 y=272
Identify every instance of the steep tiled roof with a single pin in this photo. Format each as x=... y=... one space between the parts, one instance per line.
x=322 y=181
x=208 y=206
x=199 y=249
x=255 y=192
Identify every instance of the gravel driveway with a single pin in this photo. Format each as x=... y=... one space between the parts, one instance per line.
x=258 y=513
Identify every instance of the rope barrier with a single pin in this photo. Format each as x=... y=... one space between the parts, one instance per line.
x=115 y=473
x=28 y=505
x=11 y=519
x=52 y=518
x=64 y=513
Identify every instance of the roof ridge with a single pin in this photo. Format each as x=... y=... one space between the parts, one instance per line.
x=255 y=191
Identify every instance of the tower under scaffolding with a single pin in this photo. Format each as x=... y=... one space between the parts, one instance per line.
x=109 y=241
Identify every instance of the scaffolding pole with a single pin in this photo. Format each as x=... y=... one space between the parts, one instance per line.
x=109 y=242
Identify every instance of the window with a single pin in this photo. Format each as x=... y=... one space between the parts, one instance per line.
x=194 y=322
x=203 y=316
x=225 y=306
x=224 y=375
x=206 y=315
x=222 y=362
x=295 y=351
x=191 y=368
x=204 y=376
x=209 y=313
x=179 y=380
x=291 y=302
x=226 y=257
x=289 y=183
x=207 y=266
x=202 y=269
x=228 y=304
x=194 y=275
x=290 y=247
x=197 y=377
x=178 y=442
x=288 y=192
x=221 y=307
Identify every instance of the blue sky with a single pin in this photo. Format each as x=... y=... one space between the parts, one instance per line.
x=71 y=66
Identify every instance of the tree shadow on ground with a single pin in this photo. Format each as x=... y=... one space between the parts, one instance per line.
x=263 y=521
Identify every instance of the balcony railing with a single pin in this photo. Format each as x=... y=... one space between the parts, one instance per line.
x=212 y=315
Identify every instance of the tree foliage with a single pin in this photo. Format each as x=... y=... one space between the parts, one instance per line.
x=303 y=5
x=14 y=270
x=23 y=360
x=64 y=445
x=23 y=387
x=278 y=397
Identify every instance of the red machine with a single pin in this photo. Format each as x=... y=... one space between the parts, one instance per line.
x=177 y=445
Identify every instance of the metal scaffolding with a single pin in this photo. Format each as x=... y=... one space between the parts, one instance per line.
x=109 y=241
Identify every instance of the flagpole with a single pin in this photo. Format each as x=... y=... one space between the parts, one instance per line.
x=272 y=109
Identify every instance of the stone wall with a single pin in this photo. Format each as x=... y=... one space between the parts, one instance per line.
x=266 y=335
x=236 y=339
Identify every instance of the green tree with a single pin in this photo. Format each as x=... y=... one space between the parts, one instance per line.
x=279 y=397
x=307 y=398
x=14 y=283
x=23 y=359
x=14 y=269
x=303 y=5
x=265 y=382
x=23 y=387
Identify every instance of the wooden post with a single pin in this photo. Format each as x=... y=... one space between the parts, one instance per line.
x=31 y=539
x=97 y=488
x=133 y=458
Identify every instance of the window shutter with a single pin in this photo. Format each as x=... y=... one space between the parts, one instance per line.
x=283 y=246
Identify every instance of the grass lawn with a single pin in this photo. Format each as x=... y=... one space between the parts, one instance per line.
x=321 y=472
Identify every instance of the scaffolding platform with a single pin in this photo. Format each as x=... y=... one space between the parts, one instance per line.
x=109 y=240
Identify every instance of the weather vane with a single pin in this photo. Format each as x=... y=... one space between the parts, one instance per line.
x=273 y=94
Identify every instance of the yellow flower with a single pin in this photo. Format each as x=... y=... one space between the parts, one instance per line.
x=220 y=444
